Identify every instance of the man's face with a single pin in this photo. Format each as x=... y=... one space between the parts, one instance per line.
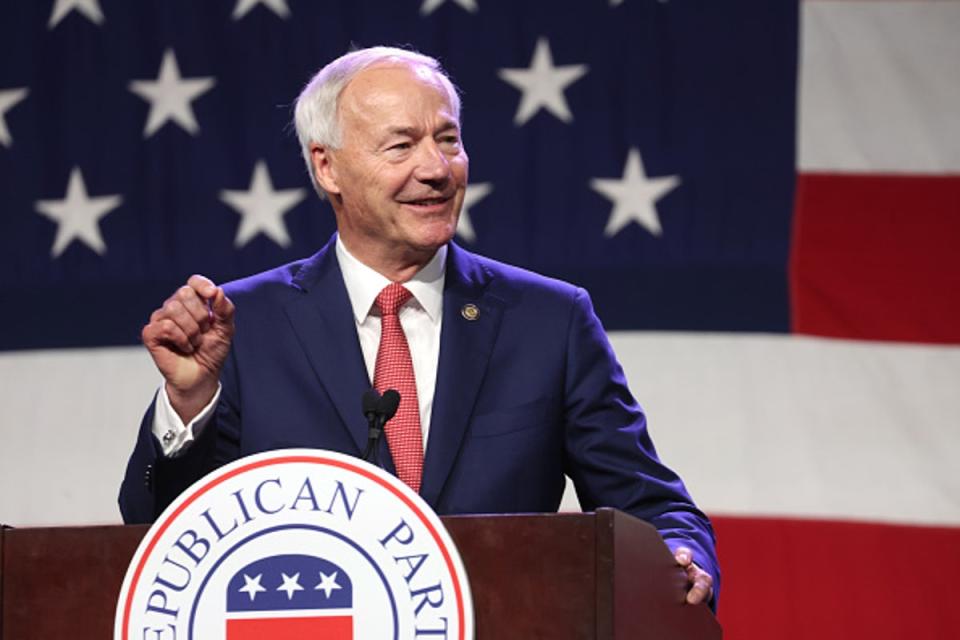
x=398 y=180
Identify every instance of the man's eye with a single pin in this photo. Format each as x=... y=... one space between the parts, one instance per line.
x=400 y=146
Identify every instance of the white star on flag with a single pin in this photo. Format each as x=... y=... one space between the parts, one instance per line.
x=243 y=7
x=170 y=96
x=327 y=583
x=8 y=99
x=290 y=585
x=262 y=208
x=78 y=215
x=252 y=586
x=89 y=8
x=429 y=6
x=543 y=84
x=475 y=193
x=634 y=196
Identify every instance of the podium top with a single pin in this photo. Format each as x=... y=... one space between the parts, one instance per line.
x=561 y=576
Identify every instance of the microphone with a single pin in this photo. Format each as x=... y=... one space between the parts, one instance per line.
x=370 y=403
x=377 y=410
x=389 y=403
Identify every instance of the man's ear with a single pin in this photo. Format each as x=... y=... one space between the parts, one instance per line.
x=324 y=170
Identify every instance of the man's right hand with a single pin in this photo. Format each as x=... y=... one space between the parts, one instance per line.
x=189 y=338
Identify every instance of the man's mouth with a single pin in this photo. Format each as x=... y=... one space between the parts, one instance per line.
x=427 y=202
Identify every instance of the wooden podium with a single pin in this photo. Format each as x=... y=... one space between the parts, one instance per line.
x=557 y=577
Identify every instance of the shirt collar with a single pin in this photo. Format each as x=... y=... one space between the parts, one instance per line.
x=364 y=284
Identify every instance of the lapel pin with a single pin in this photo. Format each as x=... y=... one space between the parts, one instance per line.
x=470 y=312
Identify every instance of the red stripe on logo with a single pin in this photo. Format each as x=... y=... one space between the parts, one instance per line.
x=328 y=628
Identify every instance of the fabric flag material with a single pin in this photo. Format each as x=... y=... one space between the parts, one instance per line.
x=763 y=199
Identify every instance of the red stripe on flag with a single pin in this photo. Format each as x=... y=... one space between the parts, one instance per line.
x=801 y=579
x=877 y=257
x=327 y=627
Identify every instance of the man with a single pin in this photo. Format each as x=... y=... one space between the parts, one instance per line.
x=507 y=380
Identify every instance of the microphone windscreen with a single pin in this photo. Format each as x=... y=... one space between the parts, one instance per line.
x=389 y=403
x=370 y=402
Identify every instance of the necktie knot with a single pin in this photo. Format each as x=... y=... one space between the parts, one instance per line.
x=391 y=298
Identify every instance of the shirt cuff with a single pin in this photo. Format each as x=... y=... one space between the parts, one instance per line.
x=168 y=428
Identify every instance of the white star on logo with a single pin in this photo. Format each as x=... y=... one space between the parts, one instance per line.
x=170 y=96
x=89 y=8
x=327 y=583
x=243 y=7
x=252 y=586
x=634 y=196
x=78 y=215
x=290 y=585
x=429 y=6
x=262 y=208
x=543 y=84
x=9 y=98
x=475 y=193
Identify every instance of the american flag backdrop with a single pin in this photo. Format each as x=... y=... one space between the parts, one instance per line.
x=762 y=197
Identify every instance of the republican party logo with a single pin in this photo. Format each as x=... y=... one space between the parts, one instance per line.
x=296 y=544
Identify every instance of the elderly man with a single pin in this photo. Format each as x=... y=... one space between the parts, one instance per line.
x=506 y=378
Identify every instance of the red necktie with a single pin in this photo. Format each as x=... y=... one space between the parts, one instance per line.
x=394 y=370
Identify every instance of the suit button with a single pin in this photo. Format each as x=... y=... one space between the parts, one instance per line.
x=148 y=477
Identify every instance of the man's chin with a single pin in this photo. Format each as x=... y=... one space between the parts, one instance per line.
x=435 y=233
x=432 y=244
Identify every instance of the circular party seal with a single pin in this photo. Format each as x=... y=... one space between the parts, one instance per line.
x=297 y=543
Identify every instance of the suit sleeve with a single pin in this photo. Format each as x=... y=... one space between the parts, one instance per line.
x=152 y=481
x=610 y=455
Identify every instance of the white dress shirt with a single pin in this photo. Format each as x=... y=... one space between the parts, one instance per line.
x=421 y=318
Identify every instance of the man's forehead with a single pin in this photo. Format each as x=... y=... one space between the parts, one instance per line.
x=372 y=82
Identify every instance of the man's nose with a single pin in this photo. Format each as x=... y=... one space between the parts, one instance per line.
x=432 y=164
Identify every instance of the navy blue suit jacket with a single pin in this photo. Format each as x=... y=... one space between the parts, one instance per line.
x=527 y=392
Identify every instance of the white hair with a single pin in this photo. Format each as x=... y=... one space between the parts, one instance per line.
x=315 y=114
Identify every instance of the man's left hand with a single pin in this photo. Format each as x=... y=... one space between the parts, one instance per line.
x=699 y=582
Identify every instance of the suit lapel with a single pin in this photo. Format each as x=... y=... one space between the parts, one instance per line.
x=465 y=347
x=323 y=321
